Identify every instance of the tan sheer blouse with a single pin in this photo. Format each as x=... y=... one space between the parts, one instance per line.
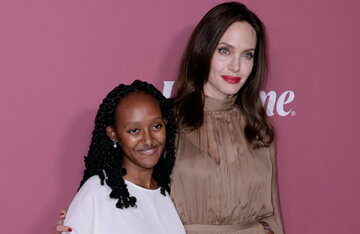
x=220 y=184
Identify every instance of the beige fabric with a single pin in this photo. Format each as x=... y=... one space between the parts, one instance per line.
x=219 y=180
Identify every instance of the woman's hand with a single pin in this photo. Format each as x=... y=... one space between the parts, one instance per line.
x=60 y=224
x=267 y=227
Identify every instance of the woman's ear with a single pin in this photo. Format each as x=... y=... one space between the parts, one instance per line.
x=110 y=131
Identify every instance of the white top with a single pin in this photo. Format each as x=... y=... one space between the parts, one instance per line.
x=92 y=211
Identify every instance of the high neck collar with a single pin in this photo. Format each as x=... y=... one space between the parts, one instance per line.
x=213 y=104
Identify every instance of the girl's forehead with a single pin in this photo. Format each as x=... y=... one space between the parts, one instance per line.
x=138 y=100
x=139 y=97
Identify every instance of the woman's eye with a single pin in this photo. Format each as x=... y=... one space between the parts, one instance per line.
x=249 y=55
x=223 y=51
x=133 y=131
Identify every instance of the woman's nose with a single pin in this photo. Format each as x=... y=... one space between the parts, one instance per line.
x=234 y=64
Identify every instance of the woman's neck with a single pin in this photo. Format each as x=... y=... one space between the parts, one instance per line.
x=210 y=91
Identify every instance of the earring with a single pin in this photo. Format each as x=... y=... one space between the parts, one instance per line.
x=114 y=144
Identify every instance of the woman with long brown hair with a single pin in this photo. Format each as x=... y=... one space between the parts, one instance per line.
x=224 y=179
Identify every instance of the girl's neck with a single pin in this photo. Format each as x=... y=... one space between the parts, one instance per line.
x=143 y=179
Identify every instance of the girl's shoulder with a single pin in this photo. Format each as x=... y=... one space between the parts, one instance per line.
x=93 y=187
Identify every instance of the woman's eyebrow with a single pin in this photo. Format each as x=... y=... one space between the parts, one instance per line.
x=232 y=47
x=249 y=50
x=226 y=44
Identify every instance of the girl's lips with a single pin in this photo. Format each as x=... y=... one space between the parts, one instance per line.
x=231 y=79
x=148 y=151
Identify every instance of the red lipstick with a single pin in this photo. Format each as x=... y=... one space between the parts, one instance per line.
x=231 y=79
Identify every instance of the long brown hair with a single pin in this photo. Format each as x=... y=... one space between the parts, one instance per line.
x=195 y=67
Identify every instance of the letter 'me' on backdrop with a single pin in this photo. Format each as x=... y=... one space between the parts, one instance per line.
x=60 y=58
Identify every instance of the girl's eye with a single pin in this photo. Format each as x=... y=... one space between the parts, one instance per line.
x=249 y=56
x=157 y=126
x=223 y=51
x=133 y=131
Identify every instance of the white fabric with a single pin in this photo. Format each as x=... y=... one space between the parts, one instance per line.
x=92 y=211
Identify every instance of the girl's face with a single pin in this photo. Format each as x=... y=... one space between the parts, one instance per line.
x=232 y=61
x=139 y=129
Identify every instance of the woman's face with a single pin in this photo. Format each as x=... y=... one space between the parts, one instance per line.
x=139 y=129
x=232 y=61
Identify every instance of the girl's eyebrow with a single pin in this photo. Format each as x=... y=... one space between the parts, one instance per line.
x=135 y=122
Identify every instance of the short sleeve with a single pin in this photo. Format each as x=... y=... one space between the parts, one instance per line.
x=80 y=215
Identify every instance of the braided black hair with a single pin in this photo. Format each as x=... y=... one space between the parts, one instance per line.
x=102 y=157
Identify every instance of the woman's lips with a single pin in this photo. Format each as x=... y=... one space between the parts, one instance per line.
x=231 y=79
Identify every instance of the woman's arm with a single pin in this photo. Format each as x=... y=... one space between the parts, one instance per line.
x=60 y=224
x=275 y=221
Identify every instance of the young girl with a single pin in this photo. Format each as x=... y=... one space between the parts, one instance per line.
x=125 y=188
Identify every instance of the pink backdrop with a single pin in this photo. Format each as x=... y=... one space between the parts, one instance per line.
x=59 y=58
